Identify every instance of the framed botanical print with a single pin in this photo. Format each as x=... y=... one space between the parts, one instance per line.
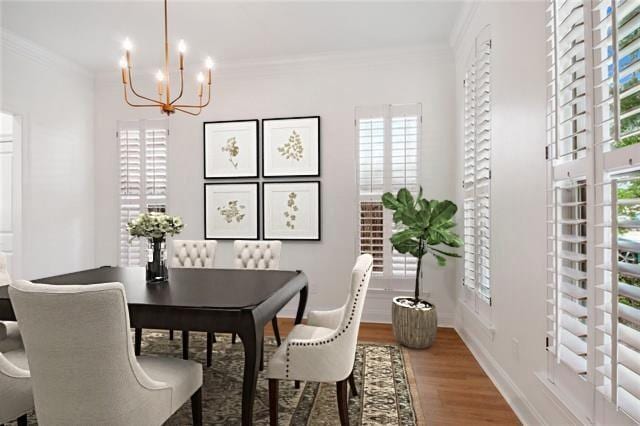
x=291 y=147
x=291 y=211
x=230 y=149
x=231 y=211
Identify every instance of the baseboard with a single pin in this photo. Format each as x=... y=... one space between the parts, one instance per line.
x=518 y=402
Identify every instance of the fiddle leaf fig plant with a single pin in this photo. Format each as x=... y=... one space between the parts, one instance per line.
x=425 y=227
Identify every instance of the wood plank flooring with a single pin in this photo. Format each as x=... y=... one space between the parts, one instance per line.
x=452 y=388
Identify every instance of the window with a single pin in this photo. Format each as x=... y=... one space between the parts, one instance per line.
x=477 y=174
x=593 y=208
x=388 y=141
x=143 y=179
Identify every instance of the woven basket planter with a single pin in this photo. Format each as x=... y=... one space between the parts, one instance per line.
x=414 y=326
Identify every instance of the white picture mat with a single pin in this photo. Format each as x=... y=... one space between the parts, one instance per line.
x=216 y=160
x=219 y=195
x=277 y=133
x=307 y=223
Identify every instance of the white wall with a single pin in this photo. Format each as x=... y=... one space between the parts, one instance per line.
x=514 y=351
x=54 y=99
x=329 y=86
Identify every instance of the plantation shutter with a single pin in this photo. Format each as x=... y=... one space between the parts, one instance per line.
x=569 y=201
x=404 y=159
x=468 y=182
x=616 y=35
x=388 y=141
x=477 y=172
x=143 y=180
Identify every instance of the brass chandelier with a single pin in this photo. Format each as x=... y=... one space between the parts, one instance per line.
x=164 y=101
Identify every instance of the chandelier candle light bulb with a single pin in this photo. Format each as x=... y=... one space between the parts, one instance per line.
x=167 y=105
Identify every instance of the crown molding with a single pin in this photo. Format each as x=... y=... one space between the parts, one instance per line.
x=11 y=42
x=462 y=23
x=323 y=61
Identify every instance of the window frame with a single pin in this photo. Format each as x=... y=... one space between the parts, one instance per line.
x=147 y=202
x=386 y=280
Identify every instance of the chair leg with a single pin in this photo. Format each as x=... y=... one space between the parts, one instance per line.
x=343 y=402
x=276 y=332
x=185 y=344
x=210 y=337
x=262 y=356
x=170 y=334
x=196 y=407
x=22 y=420
x=233 y=338
x=352 y=384
x=138 y=341
x=273 y=402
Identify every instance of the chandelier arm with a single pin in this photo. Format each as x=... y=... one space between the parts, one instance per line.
x=137 y=94
x=126 y=99
x=181 y=87
x=201 y=105
x=189 y=112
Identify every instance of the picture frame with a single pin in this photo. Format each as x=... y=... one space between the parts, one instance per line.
x=282 y=201
x=291 y=147
x=231 y=211
x=230 y=149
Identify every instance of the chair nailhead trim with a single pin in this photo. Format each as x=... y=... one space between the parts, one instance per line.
x=343 y=331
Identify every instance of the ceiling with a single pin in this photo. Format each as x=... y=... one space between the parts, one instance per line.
x=91 y=32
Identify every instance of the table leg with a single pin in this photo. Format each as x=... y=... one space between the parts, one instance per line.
x=302 y=304
x=251 y=337
x=138 y=341
x=185 y=344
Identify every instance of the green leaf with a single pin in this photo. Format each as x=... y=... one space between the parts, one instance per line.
x=444 y=252
x=407 y=246
x=405 y=197
x=443 y=212
x=390 y=202
x=442 y=261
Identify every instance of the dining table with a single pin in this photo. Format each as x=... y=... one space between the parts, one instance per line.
x=199 y=299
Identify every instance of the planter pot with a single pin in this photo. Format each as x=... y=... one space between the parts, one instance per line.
x=414 y=326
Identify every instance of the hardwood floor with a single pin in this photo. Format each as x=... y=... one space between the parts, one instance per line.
x=452 y=388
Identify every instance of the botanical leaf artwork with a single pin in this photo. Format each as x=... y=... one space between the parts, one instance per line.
x=292 y=210
x=232 y=211
x=233 y=150
x=293 y=149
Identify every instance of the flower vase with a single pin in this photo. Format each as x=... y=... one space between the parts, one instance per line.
x=157 y=263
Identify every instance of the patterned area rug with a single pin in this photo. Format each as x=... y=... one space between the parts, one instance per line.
x=384 y=397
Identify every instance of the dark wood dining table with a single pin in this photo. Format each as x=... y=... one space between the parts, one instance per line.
x=198 y=299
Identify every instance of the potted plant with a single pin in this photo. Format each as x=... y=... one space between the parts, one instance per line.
x=155 y=227
x=424 y=226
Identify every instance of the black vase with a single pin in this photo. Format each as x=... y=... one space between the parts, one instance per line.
x=157 y=264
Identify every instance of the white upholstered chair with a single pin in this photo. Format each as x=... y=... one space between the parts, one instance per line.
x=82 y=364
x=194 y=254
x=10 y=339
x=16 y=397
x=250 y=254
x=324 y=349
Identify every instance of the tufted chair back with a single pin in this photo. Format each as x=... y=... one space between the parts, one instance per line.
x=193 y=254
x=257 y=254
x=4 y=274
